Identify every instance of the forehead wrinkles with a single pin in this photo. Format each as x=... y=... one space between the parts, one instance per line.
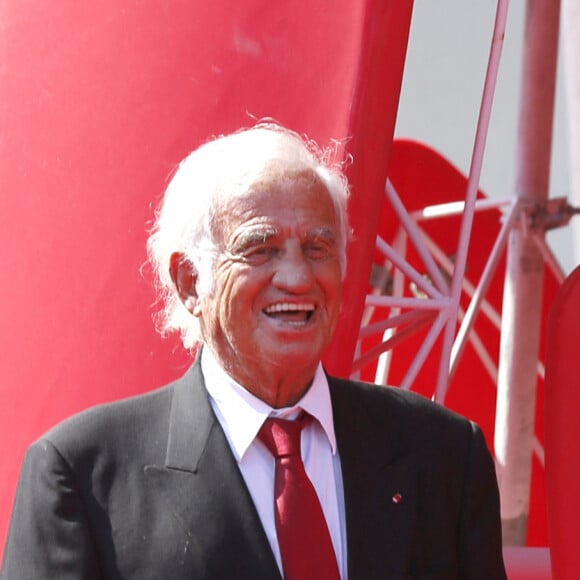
x=268 y=199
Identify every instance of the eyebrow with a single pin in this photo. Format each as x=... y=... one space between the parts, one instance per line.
x=323 y=232
x=255 y=236
x=262 y=235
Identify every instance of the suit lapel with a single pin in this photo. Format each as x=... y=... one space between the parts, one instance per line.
x=204 y=490
x=380 y=485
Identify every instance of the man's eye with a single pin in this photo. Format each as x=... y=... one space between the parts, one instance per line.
x=259 y=254
x=316 y=250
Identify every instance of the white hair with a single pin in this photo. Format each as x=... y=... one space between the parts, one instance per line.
x=225 y=167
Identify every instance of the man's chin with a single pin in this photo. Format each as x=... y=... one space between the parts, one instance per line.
x=295 y=356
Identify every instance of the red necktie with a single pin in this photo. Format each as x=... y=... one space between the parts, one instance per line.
x=305 y=544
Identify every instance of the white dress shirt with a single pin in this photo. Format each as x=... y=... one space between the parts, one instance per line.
x=241 y=416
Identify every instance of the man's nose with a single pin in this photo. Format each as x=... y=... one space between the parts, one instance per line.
x=294 y=271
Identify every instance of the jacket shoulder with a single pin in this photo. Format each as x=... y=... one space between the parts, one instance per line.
x=137 y=423
x=387 y=410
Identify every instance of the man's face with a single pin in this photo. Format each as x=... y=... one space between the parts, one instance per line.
x=277 y=280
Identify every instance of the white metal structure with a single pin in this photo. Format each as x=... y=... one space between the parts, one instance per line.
x=443 y=283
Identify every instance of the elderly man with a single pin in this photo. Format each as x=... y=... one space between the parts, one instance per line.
x=256 y=464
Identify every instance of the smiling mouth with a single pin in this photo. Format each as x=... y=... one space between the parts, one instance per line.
x=291 y=313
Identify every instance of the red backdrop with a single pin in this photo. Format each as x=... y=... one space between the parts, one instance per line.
x=98 y=103
x=563 y=428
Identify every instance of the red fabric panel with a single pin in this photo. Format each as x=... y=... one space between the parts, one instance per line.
x=562 y=423
x=372 y=124
x=98 y=103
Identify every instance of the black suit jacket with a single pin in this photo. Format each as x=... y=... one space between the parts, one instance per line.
x=147 y=488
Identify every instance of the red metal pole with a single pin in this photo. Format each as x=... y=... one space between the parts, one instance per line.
x=371 y=127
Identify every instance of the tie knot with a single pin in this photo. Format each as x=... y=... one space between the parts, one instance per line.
x=282 y=437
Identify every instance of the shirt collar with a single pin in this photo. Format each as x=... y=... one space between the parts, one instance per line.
x=242 y=414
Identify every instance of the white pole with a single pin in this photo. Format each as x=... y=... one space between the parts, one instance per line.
x=522 y=301
x=571 y=45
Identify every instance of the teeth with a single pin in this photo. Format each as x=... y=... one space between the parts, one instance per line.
x=288 y=307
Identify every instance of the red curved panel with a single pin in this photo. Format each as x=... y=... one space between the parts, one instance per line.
x=98 y=103
x=562 y=406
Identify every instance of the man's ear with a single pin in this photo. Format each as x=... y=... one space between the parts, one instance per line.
x=184 y=278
